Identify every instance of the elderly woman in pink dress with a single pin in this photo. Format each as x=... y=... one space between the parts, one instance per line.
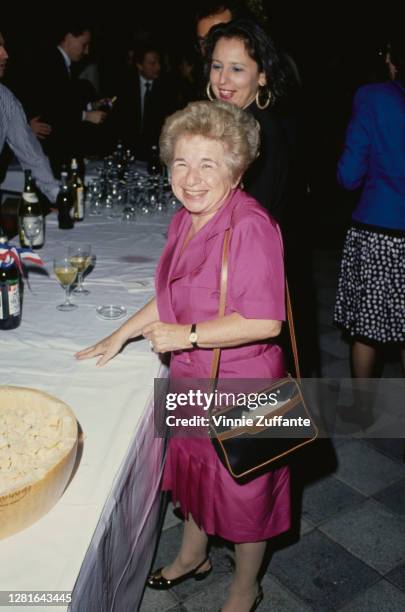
x=208 y=147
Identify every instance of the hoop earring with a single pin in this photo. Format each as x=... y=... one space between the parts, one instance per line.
x=257 y=98
x=208 y=92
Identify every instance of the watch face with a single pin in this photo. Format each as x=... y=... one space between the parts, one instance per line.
x=193 y=337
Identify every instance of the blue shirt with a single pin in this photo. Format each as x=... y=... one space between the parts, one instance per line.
x=15 y=130
x=374 y=155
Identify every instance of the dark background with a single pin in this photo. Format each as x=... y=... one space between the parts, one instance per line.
x=335 y=47
x=315 y=35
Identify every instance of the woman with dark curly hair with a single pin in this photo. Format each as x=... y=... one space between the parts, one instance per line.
x=245 y=69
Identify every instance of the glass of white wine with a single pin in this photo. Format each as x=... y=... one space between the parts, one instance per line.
x=80 y=257
x=66 y=274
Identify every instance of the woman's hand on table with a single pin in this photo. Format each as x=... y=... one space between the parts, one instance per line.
x=111 y=345
x=107 y=348
x=165 y=337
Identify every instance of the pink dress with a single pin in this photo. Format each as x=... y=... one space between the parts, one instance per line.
x=187 y=290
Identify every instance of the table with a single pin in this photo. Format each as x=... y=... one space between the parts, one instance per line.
x=13 y=183
x=99 y=538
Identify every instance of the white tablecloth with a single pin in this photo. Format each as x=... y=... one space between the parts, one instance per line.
x=109 y=402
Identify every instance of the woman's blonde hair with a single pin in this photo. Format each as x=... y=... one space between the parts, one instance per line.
x=234 y=128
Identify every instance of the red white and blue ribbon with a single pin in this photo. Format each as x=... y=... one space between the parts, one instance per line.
x=10 y=254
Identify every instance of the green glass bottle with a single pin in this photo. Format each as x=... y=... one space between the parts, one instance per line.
x=11 y=290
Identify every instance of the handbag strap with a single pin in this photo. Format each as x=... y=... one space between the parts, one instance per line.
x=221 y=312
x=222 y=300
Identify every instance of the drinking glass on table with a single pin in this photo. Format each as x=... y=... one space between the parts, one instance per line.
x=128 y=214
x=80 y=257
x=66 y=274
x=95 y=197
x=114 y=198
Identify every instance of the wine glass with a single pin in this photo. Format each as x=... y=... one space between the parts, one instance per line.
x=32 y=227
x=128 y=214
x=94 y=195
x=80 y=257
x=66 y=274
x=114 y=199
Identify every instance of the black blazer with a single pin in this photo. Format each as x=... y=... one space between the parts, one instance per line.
x=124 y=122
x=266 y=178
x=55 y=97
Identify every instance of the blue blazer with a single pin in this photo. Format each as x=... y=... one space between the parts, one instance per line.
x=374 y=154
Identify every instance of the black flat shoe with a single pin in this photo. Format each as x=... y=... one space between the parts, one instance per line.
x=157 y=581
x=257 y=601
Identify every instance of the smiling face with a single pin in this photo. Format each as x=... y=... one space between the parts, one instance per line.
x=201 y=178
x=3 y=56
x=234 y=75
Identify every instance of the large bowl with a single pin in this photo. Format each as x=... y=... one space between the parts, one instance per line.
x=22 y=506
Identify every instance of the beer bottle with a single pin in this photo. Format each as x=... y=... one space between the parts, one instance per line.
x=10 y=292
x=76 y=187
x=31 y=221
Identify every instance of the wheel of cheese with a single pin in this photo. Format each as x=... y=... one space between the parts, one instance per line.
x=38 y=446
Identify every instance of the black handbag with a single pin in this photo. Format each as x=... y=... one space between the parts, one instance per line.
x=250 y=442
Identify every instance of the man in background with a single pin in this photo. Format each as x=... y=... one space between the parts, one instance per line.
x=142 y=104
x=15 y=131
x=52 y=95
x=214 y=12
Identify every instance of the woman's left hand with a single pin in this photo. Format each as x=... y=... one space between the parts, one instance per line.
x=165 y=337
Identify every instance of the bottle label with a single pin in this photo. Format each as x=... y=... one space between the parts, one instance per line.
x=79 y=208
x=13 y=299
x=32 y=227
x=38 y=241
x=30 y=197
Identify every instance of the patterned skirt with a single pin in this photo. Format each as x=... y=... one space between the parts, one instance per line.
x=370 y=301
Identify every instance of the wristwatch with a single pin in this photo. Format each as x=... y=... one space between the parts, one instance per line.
x=193 y=337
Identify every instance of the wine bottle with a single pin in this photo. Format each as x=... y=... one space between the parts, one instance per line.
x=10 y=293
x=31 y=221
x=76 y=186
x=65 y=203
